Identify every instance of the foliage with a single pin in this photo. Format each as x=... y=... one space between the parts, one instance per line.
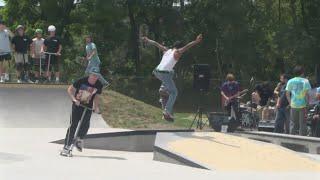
x=248 y=37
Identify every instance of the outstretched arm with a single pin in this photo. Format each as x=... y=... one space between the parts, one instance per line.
x=190 y=45
x=154 y=43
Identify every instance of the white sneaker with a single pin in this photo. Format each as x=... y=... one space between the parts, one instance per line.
x=19 y=81
x=2 y=80
x=31 y=82
x=37 y=82
x=6 y=77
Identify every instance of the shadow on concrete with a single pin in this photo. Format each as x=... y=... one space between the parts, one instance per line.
x=100 y=157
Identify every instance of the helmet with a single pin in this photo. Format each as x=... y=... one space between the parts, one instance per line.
x=38 y=31
x=19 y=27
x=51 y=28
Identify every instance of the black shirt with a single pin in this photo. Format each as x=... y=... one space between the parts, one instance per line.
x=86 y=92
x=21 y=43
x=52 y=44
x=283 y=97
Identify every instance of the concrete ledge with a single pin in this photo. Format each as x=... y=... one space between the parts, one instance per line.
x=297 y=143
x=23 y=85
x=133 y=141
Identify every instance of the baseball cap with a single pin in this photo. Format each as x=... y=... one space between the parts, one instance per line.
x=38 y=31
x=95 y=71
x=51 y=28
x=20 y=27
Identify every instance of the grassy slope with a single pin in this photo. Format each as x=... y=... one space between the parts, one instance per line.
x=121 y=111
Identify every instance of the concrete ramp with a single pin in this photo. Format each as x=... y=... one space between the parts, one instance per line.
x=132 y=141
x=223 y=152
x=37 y=106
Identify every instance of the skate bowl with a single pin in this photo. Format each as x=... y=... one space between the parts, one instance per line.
x=37 y=106
x=132 y=141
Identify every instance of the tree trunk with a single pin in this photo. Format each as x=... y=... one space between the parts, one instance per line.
x=134 y=38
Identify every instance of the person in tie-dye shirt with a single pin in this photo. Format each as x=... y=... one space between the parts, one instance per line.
x=297 y=94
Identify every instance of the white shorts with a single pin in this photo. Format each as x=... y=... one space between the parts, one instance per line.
x=21 y=58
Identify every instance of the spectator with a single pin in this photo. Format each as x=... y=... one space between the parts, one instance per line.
x=315 y=127
x=91 y=55
x=5 y=50
x=52 y=45
x=21 y=44
x=282 y=107
x=37 y=55
x=297 y=95
x=262 y=93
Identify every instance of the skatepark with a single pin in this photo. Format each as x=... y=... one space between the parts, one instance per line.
x=32 y=129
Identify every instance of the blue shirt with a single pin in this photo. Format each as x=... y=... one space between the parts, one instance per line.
x=89 y=49
x=298 y=87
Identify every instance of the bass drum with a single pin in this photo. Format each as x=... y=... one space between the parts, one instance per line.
x=249 y=120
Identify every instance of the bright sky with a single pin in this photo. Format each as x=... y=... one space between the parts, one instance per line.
x=1 y=3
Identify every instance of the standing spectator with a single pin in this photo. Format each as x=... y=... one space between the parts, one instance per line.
x=21 y=44
x=230 y=90
x=282 y=109
x=315 y=124
x=52 y=45
x=91 y=55
x=297 y=94
x=37 y=55
x=5 y=50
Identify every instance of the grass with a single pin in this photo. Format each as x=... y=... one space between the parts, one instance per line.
x=121 y=111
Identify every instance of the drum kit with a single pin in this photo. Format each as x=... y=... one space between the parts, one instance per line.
x=250 y=114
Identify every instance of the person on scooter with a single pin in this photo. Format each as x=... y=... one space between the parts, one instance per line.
x=84 y=93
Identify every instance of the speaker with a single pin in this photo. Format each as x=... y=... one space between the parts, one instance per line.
x=201 y=77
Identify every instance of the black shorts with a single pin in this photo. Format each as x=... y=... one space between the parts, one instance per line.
x=5 y=57
x=54 y=62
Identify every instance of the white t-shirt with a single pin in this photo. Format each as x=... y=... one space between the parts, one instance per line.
x=167 y=62
x=5 y=47
x=37 y=43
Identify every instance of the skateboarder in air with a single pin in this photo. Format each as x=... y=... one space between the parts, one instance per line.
x=164 y=71
x=83 y=93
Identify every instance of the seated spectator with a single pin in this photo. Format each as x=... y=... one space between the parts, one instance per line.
x=262 y=94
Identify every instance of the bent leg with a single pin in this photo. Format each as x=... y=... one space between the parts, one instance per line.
x=173 y=93
x=85 y=125
x=74 y=120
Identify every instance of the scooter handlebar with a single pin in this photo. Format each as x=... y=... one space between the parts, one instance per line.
x=50 y=53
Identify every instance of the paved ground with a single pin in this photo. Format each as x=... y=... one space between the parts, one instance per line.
x=31 y=118
x=37 y=107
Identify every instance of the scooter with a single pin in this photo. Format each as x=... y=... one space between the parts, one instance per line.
x=70 y=148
